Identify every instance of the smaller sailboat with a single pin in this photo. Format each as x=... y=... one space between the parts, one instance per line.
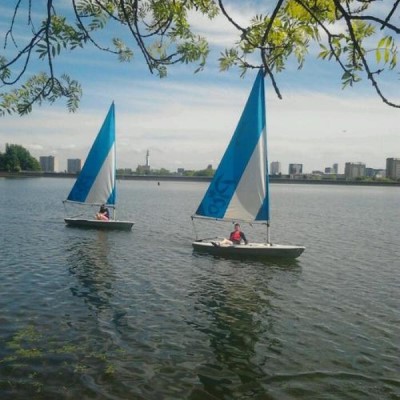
x=96 y=183
x=239 y=190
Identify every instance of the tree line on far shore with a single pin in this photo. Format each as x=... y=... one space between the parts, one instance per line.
x=16 y=158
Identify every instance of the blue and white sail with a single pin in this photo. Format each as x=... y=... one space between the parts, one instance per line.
x=239 y=189
x=96 y=181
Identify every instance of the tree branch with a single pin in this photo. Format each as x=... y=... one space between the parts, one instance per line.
x=359 y=51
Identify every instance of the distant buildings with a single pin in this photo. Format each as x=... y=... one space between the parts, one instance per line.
x=393 y=168
x=73 y=165
x=295 y=169
x=354 y=170
x=375 y=173
x=318 y=173
x=144 y=169
x=332 y=170
x=275 y=168
x=48 y=163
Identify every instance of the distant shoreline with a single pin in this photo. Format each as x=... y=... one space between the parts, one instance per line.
x=273 y=179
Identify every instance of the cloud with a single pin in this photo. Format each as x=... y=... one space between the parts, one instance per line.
x=190 y=125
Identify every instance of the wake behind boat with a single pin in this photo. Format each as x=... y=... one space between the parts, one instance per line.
x=239 y=190
x=96 y=183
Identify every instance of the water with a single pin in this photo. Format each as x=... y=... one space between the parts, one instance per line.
x=137 y=315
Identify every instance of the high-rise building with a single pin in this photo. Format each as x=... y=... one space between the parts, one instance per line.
x=393 y=168
x=73 y=165
x=275 y=168
x=295 y=169
x=354 y=170
x=48 y=163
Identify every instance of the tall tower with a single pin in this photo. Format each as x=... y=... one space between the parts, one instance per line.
x=148 y=159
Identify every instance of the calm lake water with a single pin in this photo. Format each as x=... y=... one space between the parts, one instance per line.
x=137 y=315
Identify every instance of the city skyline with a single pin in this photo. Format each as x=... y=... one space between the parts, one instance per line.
x=187 y=120
x=74 y=165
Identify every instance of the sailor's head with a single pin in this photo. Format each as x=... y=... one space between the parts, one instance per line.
x=237 y=226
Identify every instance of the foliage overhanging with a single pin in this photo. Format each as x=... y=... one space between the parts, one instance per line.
x=358 y=35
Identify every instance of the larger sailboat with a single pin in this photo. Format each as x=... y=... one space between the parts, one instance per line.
x=239 y=190
x=96 y=183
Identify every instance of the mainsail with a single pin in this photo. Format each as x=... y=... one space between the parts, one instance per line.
x=96 y=181
x=239 y=189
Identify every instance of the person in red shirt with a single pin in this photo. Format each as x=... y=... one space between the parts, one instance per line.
x=235 y=237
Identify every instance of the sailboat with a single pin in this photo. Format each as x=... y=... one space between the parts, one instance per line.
x=96 y=183
x=239 y=190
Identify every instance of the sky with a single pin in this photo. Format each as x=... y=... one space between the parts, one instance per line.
x=186 y=120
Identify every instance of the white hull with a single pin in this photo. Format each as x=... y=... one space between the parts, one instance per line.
x=259 y=250
x=97 y=224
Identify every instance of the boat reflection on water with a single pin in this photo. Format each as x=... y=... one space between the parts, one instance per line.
x=236 y=309
x=88 y=261
x=249 y=260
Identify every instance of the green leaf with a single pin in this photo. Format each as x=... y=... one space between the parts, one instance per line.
x=378 y=55
x=386 y=55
